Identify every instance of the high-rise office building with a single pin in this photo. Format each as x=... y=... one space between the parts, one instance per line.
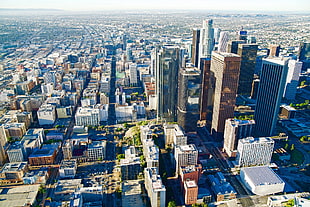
x=188 y=98
x=270 y=92
x=226 y=68
x=304 y=55
x=207 y=89
x=233 y=45
x=254 y=151
x=223 y=41
x=248 y=53
x=195 y=47
x=133 y=74
x=167 y=69
x=217 y=32
x=234 y=130
x=242 y=35
x=274 y=50
x=292 y=80
x=206 y=39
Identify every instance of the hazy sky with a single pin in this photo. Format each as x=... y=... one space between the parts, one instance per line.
x=85 y=5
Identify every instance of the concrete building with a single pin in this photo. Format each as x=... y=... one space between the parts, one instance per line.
x=131 y=194
x=155 y=189
x=13 y=172
x=33 y=139
x=169 y=133
x=226 y=67
x=87 y=116
x=190 y=172
x=16 y=152
x=185 y=155
x=103 y=111
x=190 y=192
x=179 y=137
x=269 y=95
x=46 y=114
x=130 y=168
x=96 y=150
x=39 y=176
x=67 y=169
x=300 y=200
x=133 y=74
x=261 y=180
x=254 y=151
x=234 y=130
x=67 y=150
x=195 y=47
x=64 y=112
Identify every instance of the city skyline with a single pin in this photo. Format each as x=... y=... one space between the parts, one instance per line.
x=97 y=5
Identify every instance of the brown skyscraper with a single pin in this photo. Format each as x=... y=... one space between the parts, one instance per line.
x=226 y=69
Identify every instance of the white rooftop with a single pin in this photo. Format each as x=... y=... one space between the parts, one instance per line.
x=262 y=175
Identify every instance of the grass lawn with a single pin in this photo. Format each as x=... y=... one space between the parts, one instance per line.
x=297 y=157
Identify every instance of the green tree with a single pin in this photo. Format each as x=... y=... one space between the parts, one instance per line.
x=172 y=204
x=302 y=83
x=125 y=125
x=286 y=146
x=42 y=189
x=292 y=147
x=120 y=156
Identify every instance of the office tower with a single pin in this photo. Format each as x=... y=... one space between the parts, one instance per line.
x=195 y=47
x=156 y=191
x=254 y=91
x=167 y=69
x=234 y=130
x=16 y=152
x=223 y=41
x=274 y=50
x=207 y=91
x=185 y=155
x=206 y=43
x=248 y=53
x=270 y=92
x=188 y=98
x=243 y=35
x=133 y=74
x=292 y=80
x=226 y=68
x=87 y=116
x=251 y=40
x=217 y=32
x=254 y=151
x=179 y=138
x=304 y=55
x=232 y=46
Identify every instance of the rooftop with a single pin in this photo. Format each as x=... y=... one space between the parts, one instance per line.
x=262 y=175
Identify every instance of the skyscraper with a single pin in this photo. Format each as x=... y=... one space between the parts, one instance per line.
x=226 y=68
x=195 y=47
x=167 y=68
x=207 y=90
x=188 y=98
x=206 y=43
x=234 y=130
x=248 y=54
x=242 y=35
x=304 y=55
x=254 y=151
x=232 y=46
x=223 y=41
x=270 y=92
x=292 y=80
x=274 y=50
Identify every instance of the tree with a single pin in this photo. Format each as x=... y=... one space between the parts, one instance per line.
x=172 y=204
x=286 y=146
x=42 y=189
x=120 y=156
x=292 y=147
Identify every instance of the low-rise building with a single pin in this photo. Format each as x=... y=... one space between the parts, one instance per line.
x=261 y=180
x=36 y=177
x=300 y=200
x=46 y=114
x=13 y=172
x=221 y=188
x=44 y=156
x=96 y=150
x=67 y=169
x=190 y=192
x=16 y=152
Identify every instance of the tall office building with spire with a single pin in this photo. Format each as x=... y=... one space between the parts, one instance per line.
x=226 y=68
x=206 y=44
x=166 y=74
x=270 y=92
